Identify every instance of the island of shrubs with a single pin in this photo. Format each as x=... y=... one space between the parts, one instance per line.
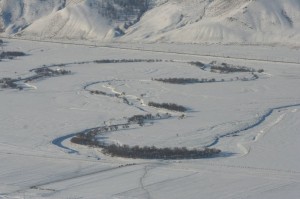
x=224 y=67
x=11 y=54
x=147 y=152
x=169 y=106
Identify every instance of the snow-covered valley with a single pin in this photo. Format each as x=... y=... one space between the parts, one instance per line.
x=252 y=117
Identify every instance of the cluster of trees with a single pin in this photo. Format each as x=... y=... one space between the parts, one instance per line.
x=185 y=80
x=121 y=96
x=169 y=106
x=140 y=119
x=8 y=83
x=178 y=80
x=84 y=141
x=147 y=152
x=96 y=92
x=11 y=54
x=49 y=72
x=46 y=72
x=226 y=68
x=106 y=61
x=204 y=80
x=40 y=73
x=88 y=137
x=198 y=64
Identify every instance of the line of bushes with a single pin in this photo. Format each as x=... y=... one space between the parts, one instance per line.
x=169 y=106
x=224 y=67
x=106 y=61
x=178 y=80
x=11 y=54
x=147 y=152
x=185 y=80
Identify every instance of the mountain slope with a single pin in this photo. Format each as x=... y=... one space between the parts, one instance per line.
x=221 y=21
x=186 y=21
x=70 y=19
x=15 y=15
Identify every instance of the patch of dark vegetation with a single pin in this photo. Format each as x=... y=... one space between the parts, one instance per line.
x=96 y=92
x=141 y=119
x=185 y=80
x=198 y=64
x=11 y=54
x=215 y=68
x=39 y=73
x=260 y=71
x=178 y=80
x=224 y=67
x=50 y=72
x=107 y=61
x=168 y=106
x=88 y=137
x=147 y=152
x=46 y=72
x=8 y=83
x=83 y=140
x=117 y=95
x=101 y=61
x=204 y=80
x=128 y=11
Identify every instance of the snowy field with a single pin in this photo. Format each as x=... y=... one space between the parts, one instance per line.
x=255 y=122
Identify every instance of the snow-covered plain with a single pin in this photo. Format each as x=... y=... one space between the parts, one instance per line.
x=255 y=124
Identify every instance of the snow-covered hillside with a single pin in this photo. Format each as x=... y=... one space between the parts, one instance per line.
x=226 y=21
x=16 y=15
x=69 y=19
x=192 y=21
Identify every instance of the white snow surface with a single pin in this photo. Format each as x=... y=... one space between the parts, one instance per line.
x=261 y=161
x=180 y=21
